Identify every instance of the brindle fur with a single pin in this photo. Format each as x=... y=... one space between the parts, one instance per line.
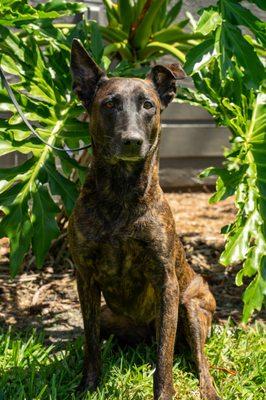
x=122 y=233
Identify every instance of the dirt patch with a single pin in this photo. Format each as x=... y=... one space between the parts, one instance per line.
x=49 y=299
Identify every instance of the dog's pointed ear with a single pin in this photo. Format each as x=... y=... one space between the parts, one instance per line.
x=164 y=79
x=86 y=74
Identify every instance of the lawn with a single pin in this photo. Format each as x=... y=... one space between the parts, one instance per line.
x=32 y=369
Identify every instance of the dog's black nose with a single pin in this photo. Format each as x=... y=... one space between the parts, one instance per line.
x=131 y=145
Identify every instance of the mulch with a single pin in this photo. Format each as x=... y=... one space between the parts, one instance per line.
x=47 y=299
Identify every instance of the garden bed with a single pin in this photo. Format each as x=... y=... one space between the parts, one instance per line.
x=49 y=299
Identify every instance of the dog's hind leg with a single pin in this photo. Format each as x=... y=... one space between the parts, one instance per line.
x=198 y=306
x=123 y=328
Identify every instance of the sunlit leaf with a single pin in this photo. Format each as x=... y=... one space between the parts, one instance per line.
x=44 y=225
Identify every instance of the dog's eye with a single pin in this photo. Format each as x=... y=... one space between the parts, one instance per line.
x=147 y=104
x=109 y=104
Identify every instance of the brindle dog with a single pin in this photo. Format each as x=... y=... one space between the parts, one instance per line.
x=122 y=233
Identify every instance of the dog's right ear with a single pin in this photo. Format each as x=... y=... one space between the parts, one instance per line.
x=86 y=74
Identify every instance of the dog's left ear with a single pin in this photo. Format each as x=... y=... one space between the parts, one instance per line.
x=164 y=79
x=86 y=74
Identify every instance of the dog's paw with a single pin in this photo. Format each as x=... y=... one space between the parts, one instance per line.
x=165 y=395
x=209 y=393
x=88 y=383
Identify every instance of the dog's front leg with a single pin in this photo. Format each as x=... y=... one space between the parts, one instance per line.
x=90 y=301
x=167 y=294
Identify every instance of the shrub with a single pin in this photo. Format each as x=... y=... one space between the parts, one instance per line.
x=228 y=74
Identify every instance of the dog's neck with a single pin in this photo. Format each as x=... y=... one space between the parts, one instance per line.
x=124 y=182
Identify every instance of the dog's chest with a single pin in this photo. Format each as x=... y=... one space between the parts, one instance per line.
x=121 y=268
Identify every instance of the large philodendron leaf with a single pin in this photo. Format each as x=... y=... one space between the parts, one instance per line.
x=228 y=76
x=245 y=17
x=238 y=244
x=234 y=45
x=260 y=3
x=61 y=186
x=256 y=140
x=246 y=241
x=255 y=293
x=16 y=13
x=41 y=83
x=18 y=228
x=45 y=227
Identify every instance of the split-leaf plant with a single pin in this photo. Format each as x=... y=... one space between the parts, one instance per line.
x=36 y=56
x=143 y=30
x=228 y=73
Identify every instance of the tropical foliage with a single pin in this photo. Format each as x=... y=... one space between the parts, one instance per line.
x=228 y=73
x=143 y=30
x=37 y=55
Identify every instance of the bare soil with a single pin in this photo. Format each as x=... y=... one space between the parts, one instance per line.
x=48 y=299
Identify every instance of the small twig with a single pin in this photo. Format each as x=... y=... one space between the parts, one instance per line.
x=33 y=277
x=60 y=237
x=35 y=299
x=228 y=371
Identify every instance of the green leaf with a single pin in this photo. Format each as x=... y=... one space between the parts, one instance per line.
x=61 y=186
x=228 y=73
x=238 y=243
x=10 y=176
x=37 y=54
x=260 y=3
x=125 y=9
x=8 y=198
x=17 y=227
x=143 y=31
x=111 y=11
x=255 y=292
x=175 y=34
x=25 y=13
x=68 y=164
x=23 y=146
x=96 y=44
x=226 y=183
x=244 y=17
x=244 y=53
x=209 y=21
x=15 y=172
x=173 y=13
x=62 y=7
x=45 y=228
x=253 y=260
x=153 y=47
x=114 y=33
x=198 y=56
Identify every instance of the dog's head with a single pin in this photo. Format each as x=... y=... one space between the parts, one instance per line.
x=124 y=112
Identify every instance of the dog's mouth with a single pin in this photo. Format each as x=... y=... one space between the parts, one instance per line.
x=131 y=154
x=128 y=158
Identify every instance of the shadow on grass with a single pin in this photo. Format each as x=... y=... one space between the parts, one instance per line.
x=34 y=370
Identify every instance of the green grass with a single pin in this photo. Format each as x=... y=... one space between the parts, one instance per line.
x=31 y=370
